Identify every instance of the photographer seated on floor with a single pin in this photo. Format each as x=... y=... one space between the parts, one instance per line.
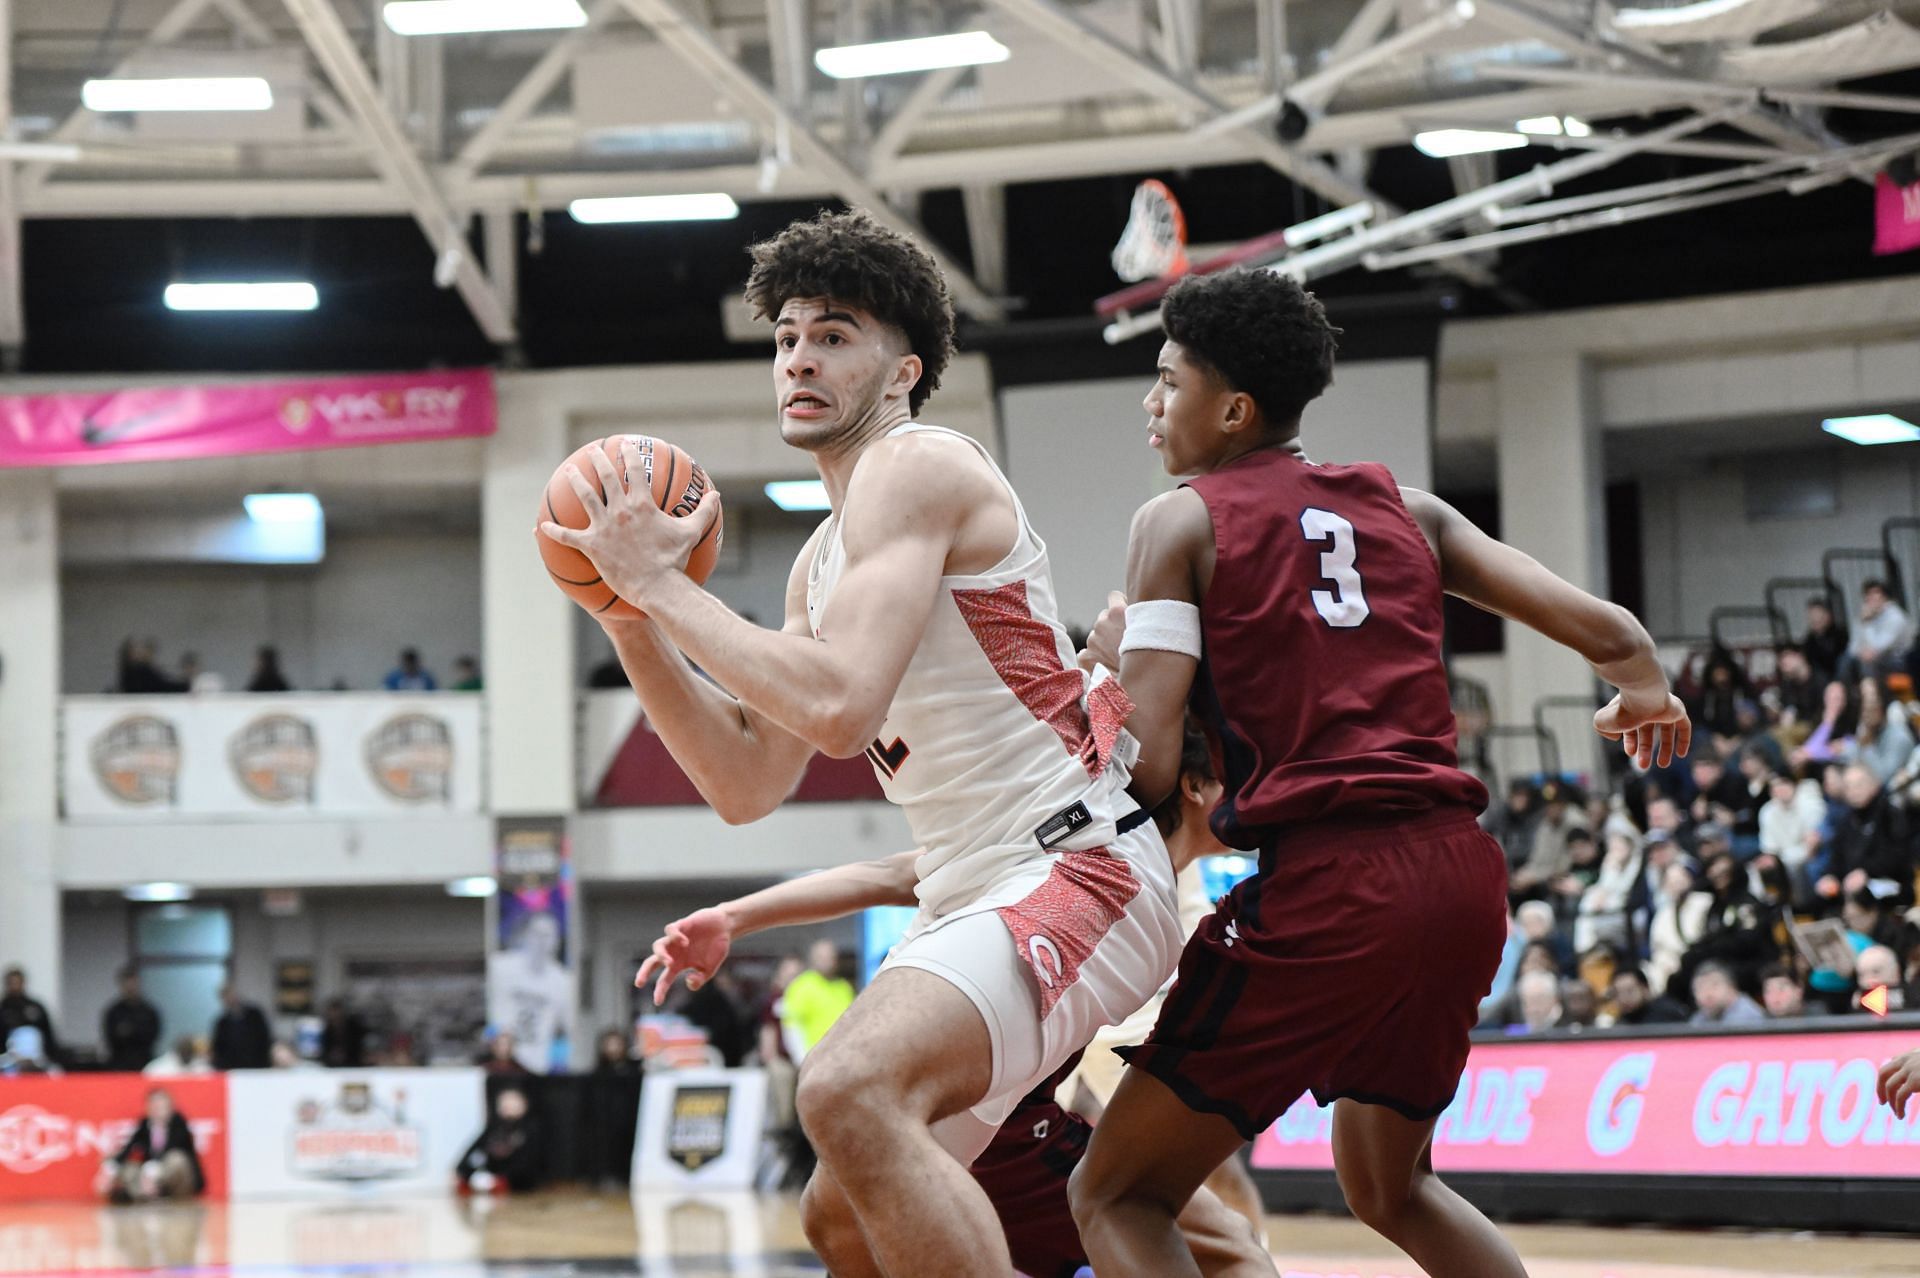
x=158 y=1160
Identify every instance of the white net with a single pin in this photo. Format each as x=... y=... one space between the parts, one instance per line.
x=1154 y=243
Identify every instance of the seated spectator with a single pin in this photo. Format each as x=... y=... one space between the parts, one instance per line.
x=1790 y=822
x=1539 y=926
x=241 y=1038
x=1718 y=998
x=284 y=1056
x=158 y=1160
x=1547 y=857
x=1834 y=985
x=24 y=1051
x=129 y=1027
x=1798 y=692
x=1736 y=930
x=1718 y=698
x=19 y=1009
x=1579 y=1009
x=1883 y=741
x=1784 y=994
x=1832 y=738
x=509 y=1154
x=139 y=675
x=1536 y=956
x=466 y=675
x=1666 y=816
x=1540 y=1008
x=1871 y=846
x=1881 y=641
x=1756 y=769
x=1878 y=966
x=1513 y=824
x=1678 y=921
x=1825 y=643
x=1602 y=913
x=267 y=676
x=410 y=675
x=614 y=1057
x=1635 y=1004
x=499 y=1058
x=1583 y=869
x=1719 y=795
x=188 y=1055
x=343 y=1037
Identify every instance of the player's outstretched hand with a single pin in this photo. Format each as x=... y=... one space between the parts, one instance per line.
x=1900 y=1080
x=696 y=945
x=1103 y=643
x=1650 y=729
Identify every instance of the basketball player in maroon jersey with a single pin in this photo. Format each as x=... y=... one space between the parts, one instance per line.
x=1297 y=608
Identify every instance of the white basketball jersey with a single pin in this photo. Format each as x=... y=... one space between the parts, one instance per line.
x=990 y=744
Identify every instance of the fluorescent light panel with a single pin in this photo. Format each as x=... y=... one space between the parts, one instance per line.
x=264 y=295
x=1873 y=428
x=479 y=885
x=208 y=93
x=1553 y=126
x=462 y=17
x=1443 y=144
x=713 y=207
x=282 y=508
x=895 y=57
x=799 y=494
x=149 y=892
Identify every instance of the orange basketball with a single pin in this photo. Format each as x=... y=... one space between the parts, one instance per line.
x=678 y=485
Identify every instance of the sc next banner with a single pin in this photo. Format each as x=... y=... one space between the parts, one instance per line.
x=55 y=1132
x=1761 y=1105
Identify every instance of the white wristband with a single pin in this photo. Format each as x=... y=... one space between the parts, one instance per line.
x=1164 y=625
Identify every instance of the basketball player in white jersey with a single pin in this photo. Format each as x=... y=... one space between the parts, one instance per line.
x=920 y=630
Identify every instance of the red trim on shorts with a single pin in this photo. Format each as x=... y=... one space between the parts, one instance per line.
x=1057 y=926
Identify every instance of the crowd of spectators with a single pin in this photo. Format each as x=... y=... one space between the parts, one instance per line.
x=140 y=672
x=1768 y=876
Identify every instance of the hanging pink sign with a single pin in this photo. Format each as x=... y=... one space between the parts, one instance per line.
x=1896 y=216
x=165 y=423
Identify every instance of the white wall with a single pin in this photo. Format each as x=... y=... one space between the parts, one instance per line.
x=1077 y=453
x=346 y=618
x=1701 y=551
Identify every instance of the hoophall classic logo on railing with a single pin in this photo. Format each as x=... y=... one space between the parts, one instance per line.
x=275 y=758
x=138 y=759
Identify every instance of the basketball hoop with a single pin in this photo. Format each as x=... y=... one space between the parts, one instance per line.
x=1154 y=245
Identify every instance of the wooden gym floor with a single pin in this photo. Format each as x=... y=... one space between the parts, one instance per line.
x=747 y=1236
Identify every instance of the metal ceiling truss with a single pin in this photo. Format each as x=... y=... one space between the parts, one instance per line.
x=1096 y=87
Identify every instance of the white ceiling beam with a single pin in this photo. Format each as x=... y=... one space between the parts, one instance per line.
x=698 y=47
x=790 y=48
x=898 y=130
x=531 y=91
x=1363 y=29
x=1180 y=36
x=987 y=233
x=320 y=23
x=503 y=257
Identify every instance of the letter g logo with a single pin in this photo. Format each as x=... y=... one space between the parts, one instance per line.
x=1613 y=1115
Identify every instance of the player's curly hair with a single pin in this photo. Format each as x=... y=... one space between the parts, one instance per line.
x=1196 y=761
x=1261 y=332
x=851 y=258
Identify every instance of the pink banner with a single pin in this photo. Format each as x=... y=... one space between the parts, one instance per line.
x=1759 y=1105
x=1896 y=216
x=164 y=423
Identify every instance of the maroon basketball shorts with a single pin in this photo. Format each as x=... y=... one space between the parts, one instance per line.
x=1352 y=965
x=1024 y=1172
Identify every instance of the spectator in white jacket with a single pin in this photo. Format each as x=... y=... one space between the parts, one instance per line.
x=1602 y=918
x=1791 y=821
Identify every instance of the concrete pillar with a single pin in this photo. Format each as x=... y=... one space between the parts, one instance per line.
x=1552 y=505
x=526 y=623
x=29 y=735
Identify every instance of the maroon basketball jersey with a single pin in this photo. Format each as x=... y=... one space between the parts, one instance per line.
x=1321 y=671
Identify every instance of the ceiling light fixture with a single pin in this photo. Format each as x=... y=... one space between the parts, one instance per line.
x=1443 y=144
x=712 y=207
x=896 y=57
x=282 y=508
x=799 y=494
x=1873 y=428
x=464 y=17
x=478 y=885
x=265 y=295
x=149 y=893
x=207 y=93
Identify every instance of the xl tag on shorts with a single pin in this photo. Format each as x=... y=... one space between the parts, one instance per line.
x=1063 y=825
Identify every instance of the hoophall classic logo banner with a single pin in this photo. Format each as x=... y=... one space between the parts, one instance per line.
x=166 y=423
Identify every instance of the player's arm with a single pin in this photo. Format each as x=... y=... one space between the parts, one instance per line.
x=743 y=763
x=1510 y=583
x=903 y=511
x=697 y=945
x=1165 y=546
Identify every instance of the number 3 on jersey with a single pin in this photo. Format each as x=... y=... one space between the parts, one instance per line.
x=1345 y=606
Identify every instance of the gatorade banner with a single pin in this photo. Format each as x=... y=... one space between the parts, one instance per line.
x=165 y=423
x=1734 y=1105
x=530 y=964
x=56 y=1131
